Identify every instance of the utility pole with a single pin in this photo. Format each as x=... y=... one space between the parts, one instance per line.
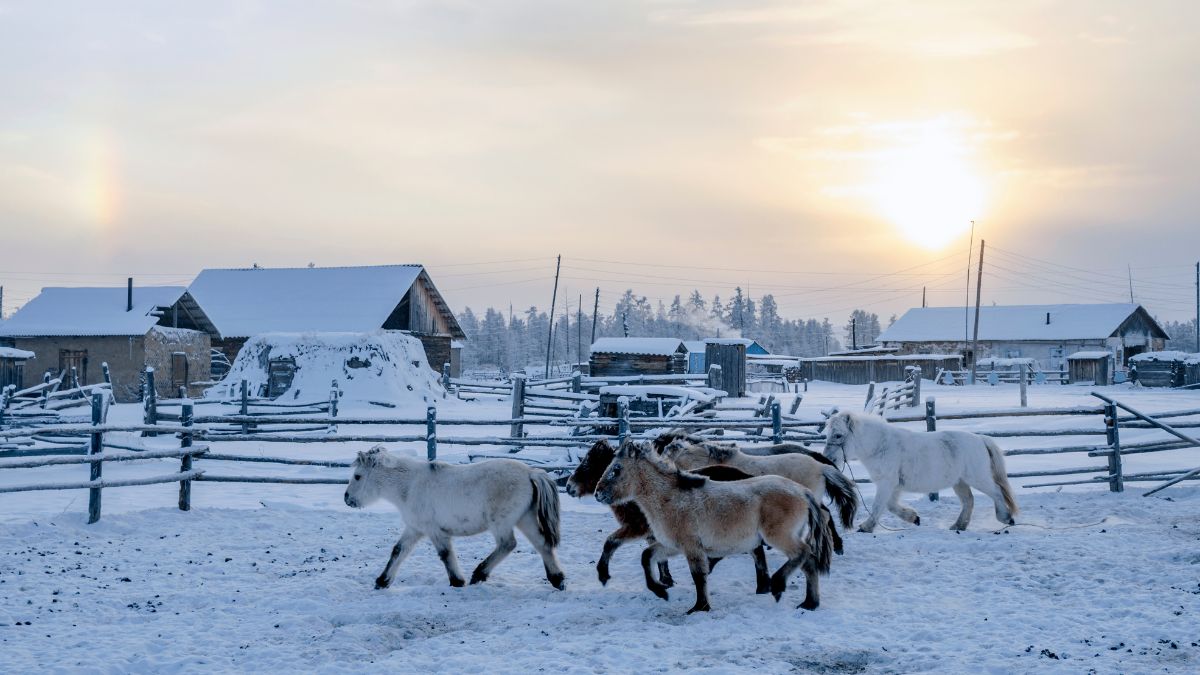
x=1130 y=269
x=553 y=302
x=853 y=332
x=978 y=291
x=595 y=313
x=923 y=305
x=1197 y=307
x=579 y=330
x=1 y=302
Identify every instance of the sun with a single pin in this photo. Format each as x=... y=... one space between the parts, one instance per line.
x=926 y=187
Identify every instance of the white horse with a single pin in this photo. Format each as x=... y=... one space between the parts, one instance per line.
x=442 y=501
x=900 y=460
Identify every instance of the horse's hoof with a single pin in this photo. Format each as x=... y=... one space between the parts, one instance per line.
x=809 y=605
x=660 y=591
x=603 y=576
x=838 y=549
x=866 y=530
x=476 y=577
x=917 y=520
x=762 y=589
x=558 y=581
x=700 y=608
x=381 y=582
x=668 y=583
x=1012 y=521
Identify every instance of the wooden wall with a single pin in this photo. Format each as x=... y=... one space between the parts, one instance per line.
x=732 y=359
x=861 y=370
x=618 y=365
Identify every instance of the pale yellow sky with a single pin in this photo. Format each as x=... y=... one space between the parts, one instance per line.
x=799 y=148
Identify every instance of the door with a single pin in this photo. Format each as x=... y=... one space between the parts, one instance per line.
x=76 y=359
x=179 y=373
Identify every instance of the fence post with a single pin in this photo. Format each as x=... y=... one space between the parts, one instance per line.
x=916 y=388
x=931 y=425
x=777 y=422
x=1112 y=428
x=186 y=414
x=151 y=401
x=45 y=390
x=622 y=420
x=517 y=430
x=334 y=395
x=245 y=408
x=795 y=404
x=445 y=379
x=431 y=433
x=95 y=447
x=870 y=396
x=576 y=382
x=1024 y=385
x=107 y=373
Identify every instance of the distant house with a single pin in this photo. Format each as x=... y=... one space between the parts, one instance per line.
x=695 y=349
x=242 y=303
x=1045 y=333
x=74 y=331
x=616 y=356
x=12 y=366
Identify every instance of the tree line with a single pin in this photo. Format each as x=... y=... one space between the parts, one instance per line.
x=514 y=340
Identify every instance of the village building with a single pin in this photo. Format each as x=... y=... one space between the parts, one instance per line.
x=243 y=303
x=696 y=350
x=1048 y=334
x=73 y=332
x=12 y=366
x=622 y=356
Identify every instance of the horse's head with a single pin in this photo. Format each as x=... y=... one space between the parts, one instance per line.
x=364 y=486
x=617 y=484
x=590 y=469
x=665 y=439
x=838 y=433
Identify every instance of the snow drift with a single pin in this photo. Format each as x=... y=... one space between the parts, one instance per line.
x=384 y=366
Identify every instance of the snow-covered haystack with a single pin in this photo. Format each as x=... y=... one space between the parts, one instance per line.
x=381 y=366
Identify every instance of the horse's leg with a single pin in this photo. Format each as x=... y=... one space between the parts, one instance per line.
x=780 y=578
x=664 y=573
x=968 y=504
x=614 y=541
x=992 y=490
x=883 y=495
x=445 y=550
x=812 y=590
x=653 y=554
x=505 y=543
x=761 y=578
x=903 y=510
x=833 y=533
x=698 y=564
x=554 y=574
x=400 y=551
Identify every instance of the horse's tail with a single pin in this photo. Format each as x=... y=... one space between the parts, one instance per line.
x=820 y=538
x=545 y=503
x=1000 y=474
x=841 y=493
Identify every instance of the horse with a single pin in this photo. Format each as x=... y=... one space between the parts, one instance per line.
x=810 y=469
x=701 y=518
x=632 y=521
x=900 y=460
x=442 y=501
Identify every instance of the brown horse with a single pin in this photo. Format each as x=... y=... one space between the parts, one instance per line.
x=795 y=462
x=632 y=521
x=700 y=518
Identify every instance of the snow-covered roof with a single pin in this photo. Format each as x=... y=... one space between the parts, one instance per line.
x=90 y=311
x=640 y=345
x=252 y=301
x=10 y=353
x=1163 y=356
x=1012 y=322
x=1093 y=354
x=694 y=346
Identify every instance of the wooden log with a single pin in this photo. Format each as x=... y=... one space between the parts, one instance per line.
x=287 y=480
x=431 y=433
x=332 y=464
x=185 y=462
x=95 y=448
x=103 y=483
x=170 y=453
x=151 y=402
x=517 y=429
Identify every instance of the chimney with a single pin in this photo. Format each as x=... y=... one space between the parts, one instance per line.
x=1047 y=318
x=129 y=296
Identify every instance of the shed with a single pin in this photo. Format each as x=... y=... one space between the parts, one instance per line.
x=12 y=366
x=730 y=355
x=1090 y=367
x=618 y=356
x=1161 y=369
x=880 y=368
x=242 y=303
x=76 y=330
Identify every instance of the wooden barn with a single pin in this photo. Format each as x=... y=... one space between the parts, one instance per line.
x=1166 y=369
x=242 y=303
x=1044 y=333
x=615 y=357
x=12 y=366
x=72 y=332
x=876 y=368
x=1090 y=367
x=696 y=351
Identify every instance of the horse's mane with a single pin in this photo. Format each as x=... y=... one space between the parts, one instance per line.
x=591 y=467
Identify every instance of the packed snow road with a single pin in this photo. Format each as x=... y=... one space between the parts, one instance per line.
x=1113 y=587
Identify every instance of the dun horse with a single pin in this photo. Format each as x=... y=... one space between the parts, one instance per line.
x=900 y=460
x=632 y=521
x=442 y=501
x=809 y=469
x=700 y=518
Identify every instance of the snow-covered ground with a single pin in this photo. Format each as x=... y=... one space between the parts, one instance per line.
x=273 y=578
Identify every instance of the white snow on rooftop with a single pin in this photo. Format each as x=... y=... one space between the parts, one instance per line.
x=640 y=345
x=10 y=353
x=1011 y=322
x=90 y=311
x=246 y=302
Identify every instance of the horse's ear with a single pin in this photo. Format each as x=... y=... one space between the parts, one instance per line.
x=849 y=422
